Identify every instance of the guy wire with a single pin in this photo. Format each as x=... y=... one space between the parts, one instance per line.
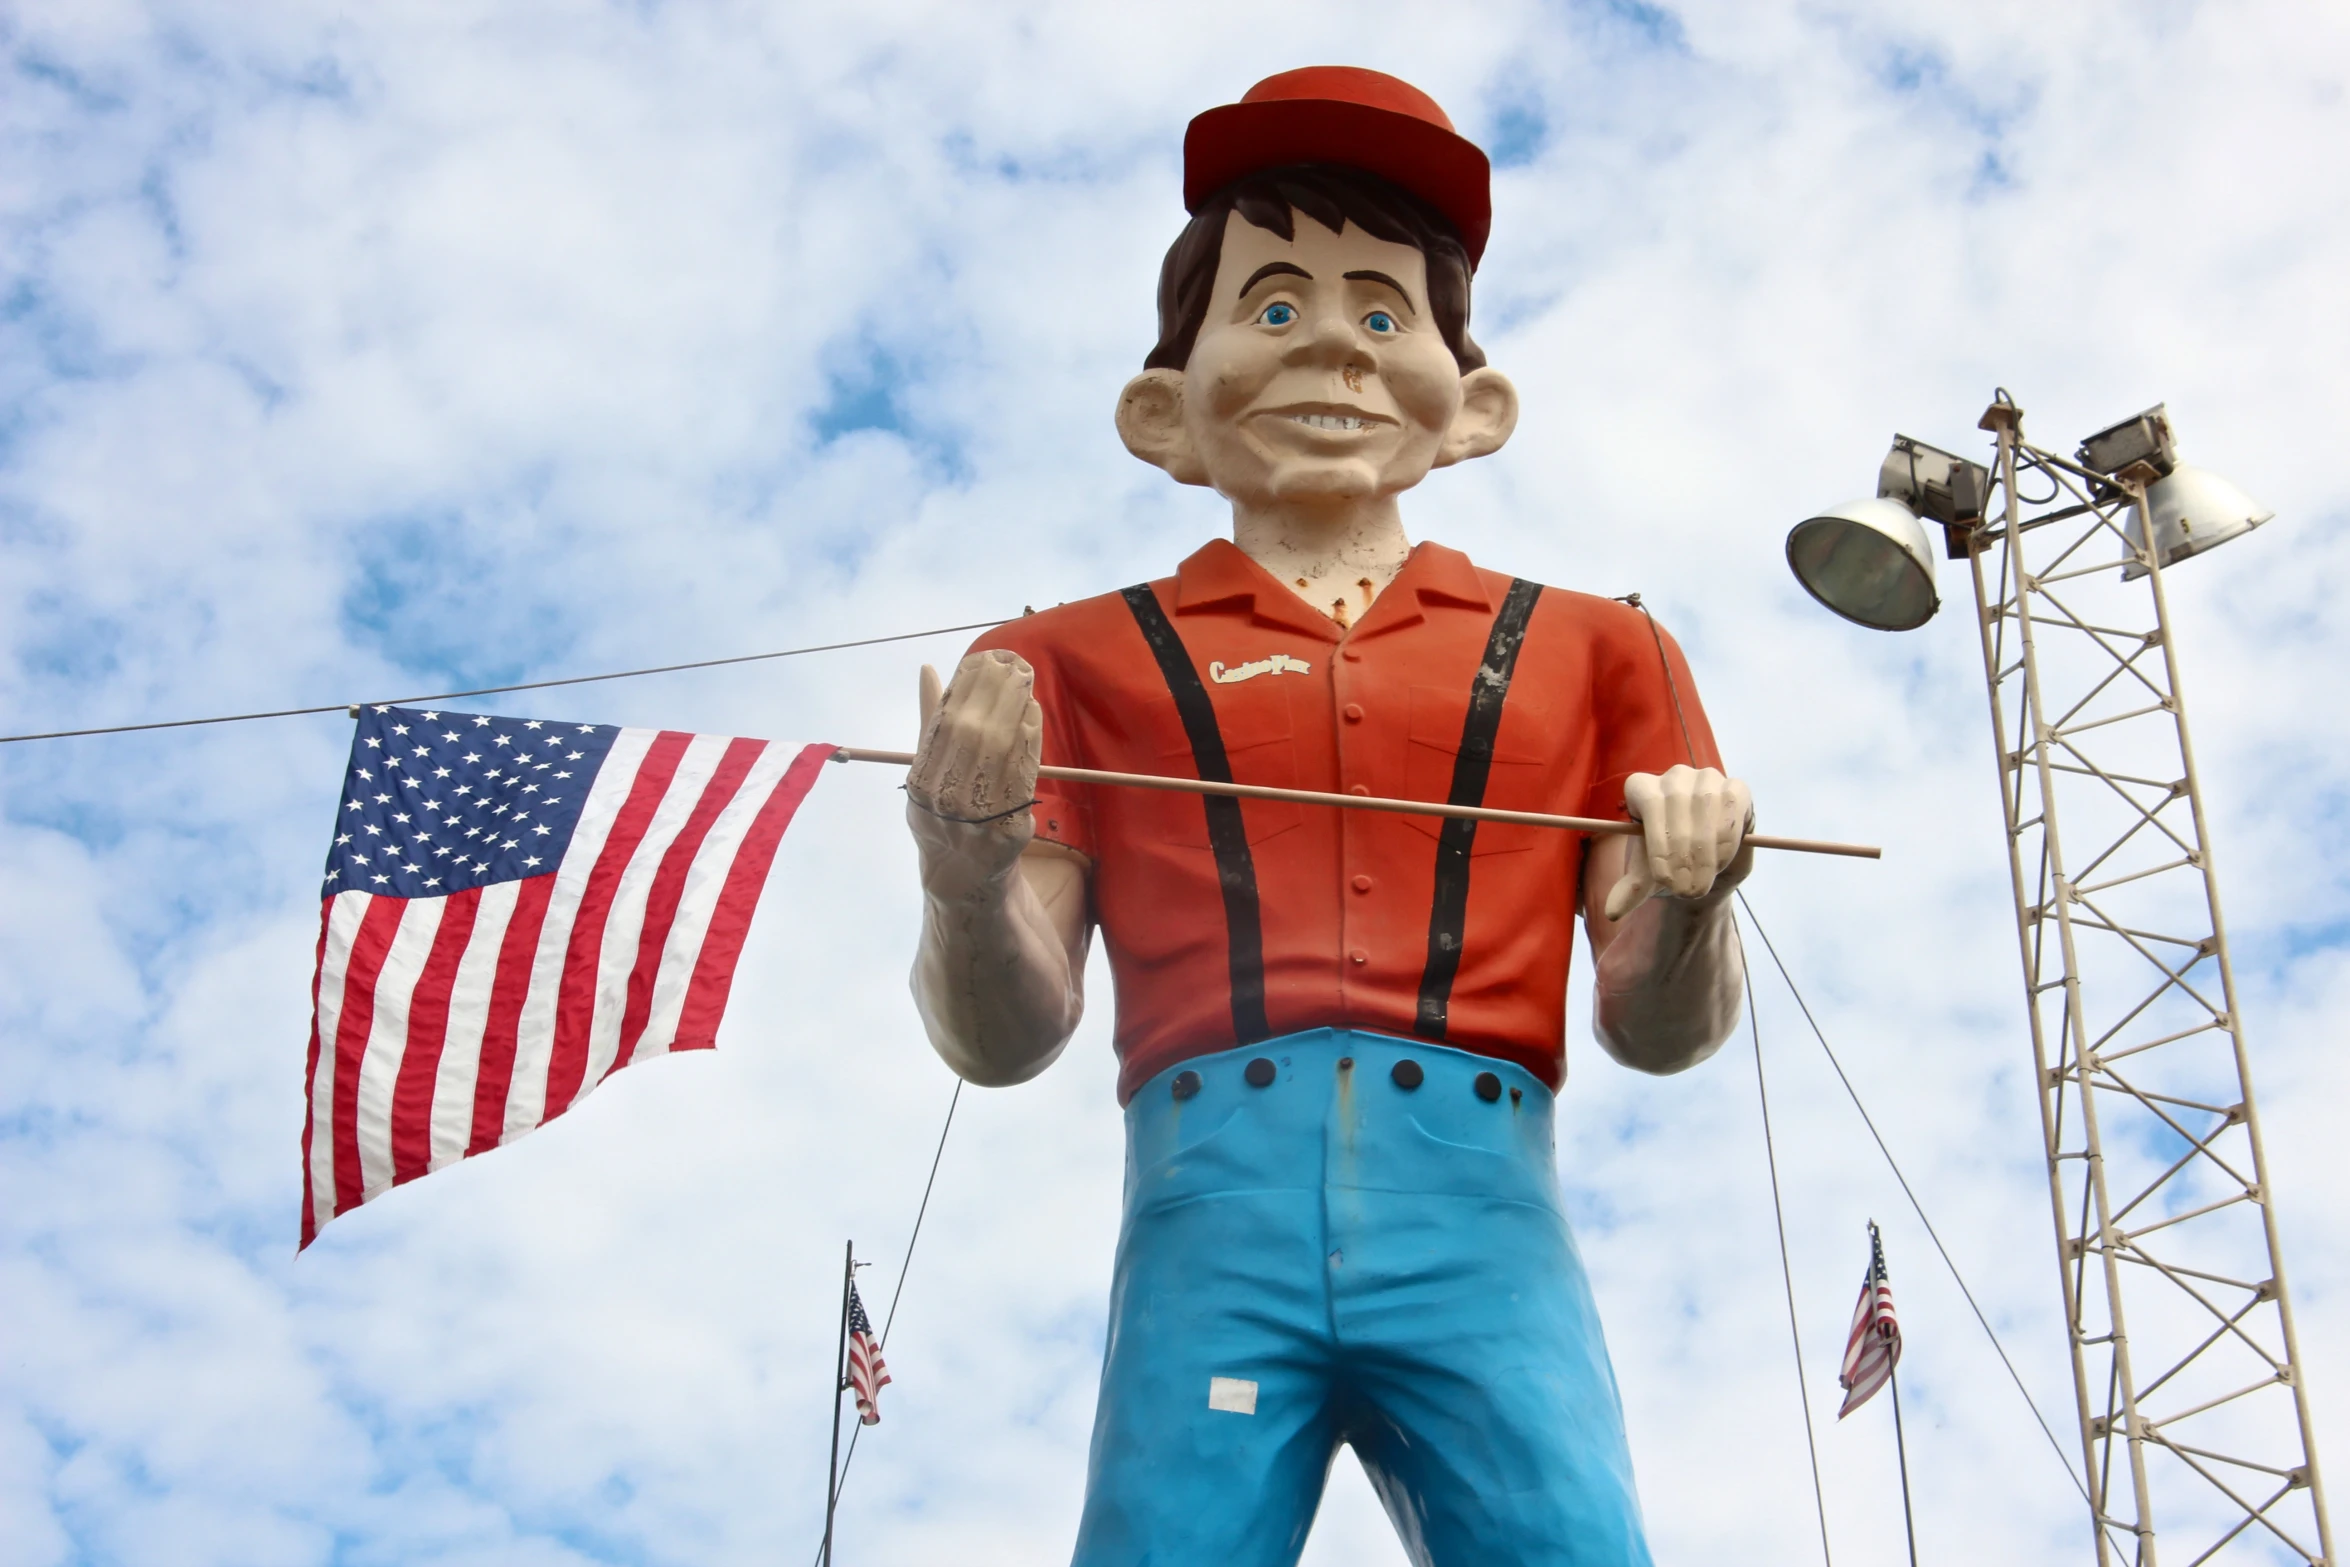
x=523 y=685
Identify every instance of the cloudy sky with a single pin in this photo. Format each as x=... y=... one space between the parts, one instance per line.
x=354 y=351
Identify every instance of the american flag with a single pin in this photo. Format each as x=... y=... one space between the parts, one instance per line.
x=1875 y=1343
x=515 y=909
x=867 y=1375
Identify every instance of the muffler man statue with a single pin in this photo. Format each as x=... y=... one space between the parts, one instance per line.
x=1339 y=1032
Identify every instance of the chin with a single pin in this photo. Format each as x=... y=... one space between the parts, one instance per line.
x=1327 y=481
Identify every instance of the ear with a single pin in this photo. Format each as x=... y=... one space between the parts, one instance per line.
x=1150 y=422
x=1489 y=412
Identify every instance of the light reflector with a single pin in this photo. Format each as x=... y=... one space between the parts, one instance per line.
x=1868 y=561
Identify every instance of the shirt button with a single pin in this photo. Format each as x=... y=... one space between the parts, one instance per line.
x=1362 y=884
x=1359 y=955
x=1358 y=789
x=1354 y=712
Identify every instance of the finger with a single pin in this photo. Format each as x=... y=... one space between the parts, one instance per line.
x=1670 y=831
x=1737 y=816
x=1631 y=889
x=932 y=690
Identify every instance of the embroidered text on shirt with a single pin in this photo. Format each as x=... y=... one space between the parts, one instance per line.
x=1278 y=664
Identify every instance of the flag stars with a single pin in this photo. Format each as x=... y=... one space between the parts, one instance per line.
x=383 y=799
x=373 y=744
x=532 y=723
x=531 y=863
x=504 y=739
x=479 y=722
x=399 y=729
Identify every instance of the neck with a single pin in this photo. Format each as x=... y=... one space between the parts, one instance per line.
x=1336 y=558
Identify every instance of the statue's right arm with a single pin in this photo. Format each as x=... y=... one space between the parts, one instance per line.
x=999 y=978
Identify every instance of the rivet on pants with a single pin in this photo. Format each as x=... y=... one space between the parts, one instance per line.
x=1185 y=1085
x=1488 y=1087
x=1259 y=1073
x=1407 y=1075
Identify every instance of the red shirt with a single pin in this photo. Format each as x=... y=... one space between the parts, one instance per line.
x=1363 y=919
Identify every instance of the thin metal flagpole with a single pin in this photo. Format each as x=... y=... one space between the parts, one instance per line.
x=840 y=1380
x=1901 y=1448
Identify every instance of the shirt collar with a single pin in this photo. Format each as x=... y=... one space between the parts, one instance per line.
x=1219 y=576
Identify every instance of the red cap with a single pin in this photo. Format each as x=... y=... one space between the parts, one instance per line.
x=1344 y=114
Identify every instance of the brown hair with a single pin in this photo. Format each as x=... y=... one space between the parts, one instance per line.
x=1333 y=195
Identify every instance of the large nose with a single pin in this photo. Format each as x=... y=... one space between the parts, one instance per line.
x=1334 y=341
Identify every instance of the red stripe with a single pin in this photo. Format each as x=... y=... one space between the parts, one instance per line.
x=376 y=929
x=428 y=1036
x=575 y=999
x=730 y=922
x=668 y=889
x=509 y=986
x=326 y=912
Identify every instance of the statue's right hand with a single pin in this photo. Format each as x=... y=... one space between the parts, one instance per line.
x=974 y=772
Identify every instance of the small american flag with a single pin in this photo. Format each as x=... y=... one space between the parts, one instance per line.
x=1875 y=1343
x=514 y=910
x=867 y=1374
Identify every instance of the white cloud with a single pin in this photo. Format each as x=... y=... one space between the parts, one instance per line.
x=348 y=353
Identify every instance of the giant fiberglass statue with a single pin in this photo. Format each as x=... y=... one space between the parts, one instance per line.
x=1339 y=1032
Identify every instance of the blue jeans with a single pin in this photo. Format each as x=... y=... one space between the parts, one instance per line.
x=1349 y=1250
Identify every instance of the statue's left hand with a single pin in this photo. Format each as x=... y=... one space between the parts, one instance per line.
x=1692 y=820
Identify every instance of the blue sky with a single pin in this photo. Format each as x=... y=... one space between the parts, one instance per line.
x=348 y=352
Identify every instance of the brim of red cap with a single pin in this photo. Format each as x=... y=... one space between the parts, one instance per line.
x=1442 y=168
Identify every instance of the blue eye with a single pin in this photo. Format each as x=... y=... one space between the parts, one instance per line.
x=1379 y=321
x=1278 y=314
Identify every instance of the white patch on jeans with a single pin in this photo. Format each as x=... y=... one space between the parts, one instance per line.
x=1233 y=1395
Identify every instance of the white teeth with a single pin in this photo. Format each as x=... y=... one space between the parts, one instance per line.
x=1330 y=421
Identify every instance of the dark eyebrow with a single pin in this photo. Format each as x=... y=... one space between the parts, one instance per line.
x=1381 y=277
x=1274 y=269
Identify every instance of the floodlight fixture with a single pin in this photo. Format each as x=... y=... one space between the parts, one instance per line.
x=2141 y=438
x=1870 y=560
x=2194 y=510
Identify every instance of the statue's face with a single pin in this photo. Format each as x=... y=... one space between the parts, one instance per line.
x=1318 y=375
x=1318 y=371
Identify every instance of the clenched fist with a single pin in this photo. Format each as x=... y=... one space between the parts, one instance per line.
x=1692 y=820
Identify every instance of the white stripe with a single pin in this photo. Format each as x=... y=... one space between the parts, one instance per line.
x=705 y=879
x=469 y=1016
x=387 y=1040
x=342 y=929
x=625 y=927
x=526 y=1100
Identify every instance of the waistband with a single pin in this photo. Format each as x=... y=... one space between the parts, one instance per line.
x=1341 y=1108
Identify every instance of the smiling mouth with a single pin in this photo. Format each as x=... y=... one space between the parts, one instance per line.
x=1330 y=421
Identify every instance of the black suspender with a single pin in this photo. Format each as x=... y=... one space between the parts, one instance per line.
x=1227 y=836
x=1470 y=770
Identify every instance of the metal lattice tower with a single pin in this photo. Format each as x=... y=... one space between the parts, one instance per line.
x=2194 y=1414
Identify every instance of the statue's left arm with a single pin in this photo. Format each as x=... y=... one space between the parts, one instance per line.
x=1667 y=981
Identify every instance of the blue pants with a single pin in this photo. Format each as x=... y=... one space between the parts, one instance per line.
x=1358 y=1242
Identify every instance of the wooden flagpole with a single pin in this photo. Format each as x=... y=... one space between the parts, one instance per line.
x=840 y=1380
x=1596 y=825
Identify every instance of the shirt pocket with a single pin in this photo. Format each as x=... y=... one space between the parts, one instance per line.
x=1261 y=748
x=1513 y=780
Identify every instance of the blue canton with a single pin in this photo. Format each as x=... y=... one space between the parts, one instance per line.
x=439 y=802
